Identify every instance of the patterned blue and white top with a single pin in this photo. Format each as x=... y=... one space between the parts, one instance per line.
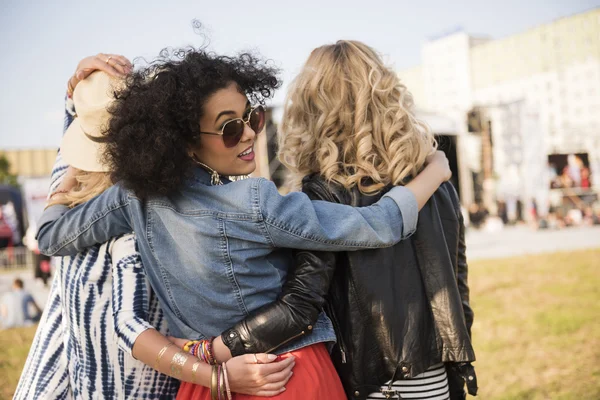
x=99 y=303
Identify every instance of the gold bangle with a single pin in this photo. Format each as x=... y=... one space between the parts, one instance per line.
x=194 y=371
x=221 y=382
x=177 y=362
x=213 y=383
x=160 y=354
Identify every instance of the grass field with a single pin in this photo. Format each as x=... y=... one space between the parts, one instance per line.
x=536 y=331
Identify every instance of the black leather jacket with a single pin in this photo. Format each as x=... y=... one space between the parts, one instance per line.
x=396 y=311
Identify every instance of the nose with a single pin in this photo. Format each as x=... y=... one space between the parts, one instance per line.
x=248 y=133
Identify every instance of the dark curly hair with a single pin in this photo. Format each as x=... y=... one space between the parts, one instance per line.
x=156 y=116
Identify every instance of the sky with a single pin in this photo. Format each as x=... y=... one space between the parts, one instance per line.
x=41 y=42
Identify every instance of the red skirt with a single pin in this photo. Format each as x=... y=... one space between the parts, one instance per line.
x=314 y=378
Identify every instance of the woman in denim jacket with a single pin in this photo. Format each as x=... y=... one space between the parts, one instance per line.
x=214 y=248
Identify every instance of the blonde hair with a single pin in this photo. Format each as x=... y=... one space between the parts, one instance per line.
x=90 y=185
x=349 y=118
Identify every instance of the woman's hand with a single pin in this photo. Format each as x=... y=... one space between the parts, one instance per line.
x=439 y=161
x=267 y=378
x=254 y=374
x=113 y=64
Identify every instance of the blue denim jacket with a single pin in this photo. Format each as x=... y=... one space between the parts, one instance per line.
x=215 y=253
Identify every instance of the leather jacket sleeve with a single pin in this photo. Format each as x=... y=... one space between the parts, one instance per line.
x=463 y=273
x=296 y=310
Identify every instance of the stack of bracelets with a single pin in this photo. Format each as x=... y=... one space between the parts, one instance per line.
x=219 y=383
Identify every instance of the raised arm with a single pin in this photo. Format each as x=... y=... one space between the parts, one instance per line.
x=295 y=221
x=96 y=221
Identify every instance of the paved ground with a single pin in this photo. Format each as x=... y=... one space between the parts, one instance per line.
x=513 y=241
x=521 y=240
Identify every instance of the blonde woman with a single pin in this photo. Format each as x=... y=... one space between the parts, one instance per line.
x=401 y=314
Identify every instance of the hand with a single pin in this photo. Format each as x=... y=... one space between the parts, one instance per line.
x=265 y=379
x=439 y=161
x=113 y=64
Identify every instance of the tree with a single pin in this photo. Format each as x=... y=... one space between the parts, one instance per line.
x=6 y=178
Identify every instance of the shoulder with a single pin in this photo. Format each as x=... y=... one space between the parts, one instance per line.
x=447 y=198
x=318 y=188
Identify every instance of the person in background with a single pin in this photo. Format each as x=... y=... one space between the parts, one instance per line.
x=16 y=306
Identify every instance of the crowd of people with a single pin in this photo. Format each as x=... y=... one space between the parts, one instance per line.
x=188 y=279
x=575 y=174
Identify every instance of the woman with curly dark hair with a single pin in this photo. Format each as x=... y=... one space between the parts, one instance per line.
x=214 y=247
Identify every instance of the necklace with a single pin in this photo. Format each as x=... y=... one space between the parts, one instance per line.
x=215 y=178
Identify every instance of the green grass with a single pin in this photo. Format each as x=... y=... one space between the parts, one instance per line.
x=536 y=330
x=14 y=346
x=537 y=326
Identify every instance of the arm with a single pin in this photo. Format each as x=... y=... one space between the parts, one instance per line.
x=96 y=221
x=302 y=298
x=129 y=293
x=139 y=339
x=291 y=316
x=294 y=221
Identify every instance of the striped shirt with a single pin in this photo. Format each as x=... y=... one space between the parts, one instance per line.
x=431 y=385
x=99 y=303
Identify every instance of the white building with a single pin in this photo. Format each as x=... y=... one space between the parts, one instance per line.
x=540 y=89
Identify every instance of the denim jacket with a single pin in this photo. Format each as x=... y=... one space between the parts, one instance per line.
x=215 y=253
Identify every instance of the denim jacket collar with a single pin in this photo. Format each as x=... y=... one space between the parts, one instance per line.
x=202 y=176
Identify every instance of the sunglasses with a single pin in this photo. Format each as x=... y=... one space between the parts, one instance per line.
x=233 y=129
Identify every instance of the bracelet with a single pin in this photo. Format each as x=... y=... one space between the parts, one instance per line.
x=209 y=351
x=177 y=362
x=160 y=354
x=226 y=379
x=194 y=371
x=188 y=345
x=202 y=349
x=214 y=383
x=219 y=382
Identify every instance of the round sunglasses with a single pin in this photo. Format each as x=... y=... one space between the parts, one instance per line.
x=233 y=129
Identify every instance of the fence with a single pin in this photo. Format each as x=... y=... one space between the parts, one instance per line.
x=16 y=258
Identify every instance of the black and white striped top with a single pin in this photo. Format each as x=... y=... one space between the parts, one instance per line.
x=431 y=385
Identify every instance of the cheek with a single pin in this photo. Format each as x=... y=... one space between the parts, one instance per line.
x=213 y=149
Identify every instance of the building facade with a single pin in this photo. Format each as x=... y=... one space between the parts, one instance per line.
x=537 y=92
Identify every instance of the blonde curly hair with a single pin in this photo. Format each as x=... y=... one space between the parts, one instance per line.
x=89 y=185
x=349 y=118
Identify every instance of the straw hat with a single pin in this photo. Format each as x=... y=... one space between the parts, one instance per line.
x=83 y=143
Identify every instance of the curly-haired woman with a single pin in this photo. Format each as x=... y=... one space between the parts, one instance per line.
x=213 y=248
x=101 y=319
x=348 y=135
